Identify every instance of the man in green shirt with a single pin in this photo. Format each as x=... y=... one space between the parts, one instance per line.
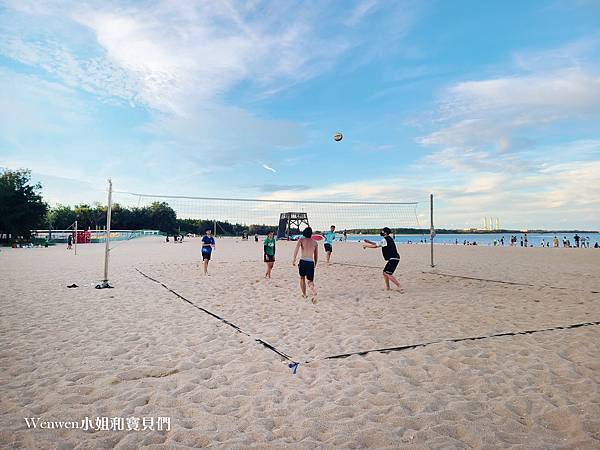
x=269 y=246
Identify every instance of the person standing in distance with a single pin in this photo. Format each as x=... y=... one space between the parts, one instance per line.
x=269 y=249
x=208 y=244
x=390 y=254
x=329 y=238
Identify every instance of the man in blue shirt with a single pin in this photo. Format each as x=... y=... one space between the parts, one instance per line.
x=329 y=238
x=208 y=243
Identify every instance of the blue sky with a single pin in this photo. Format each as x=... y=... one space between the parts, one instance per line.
x=492 y=106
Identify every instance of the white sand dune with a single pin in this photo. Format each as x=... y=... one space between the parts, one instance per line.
x=138 y=350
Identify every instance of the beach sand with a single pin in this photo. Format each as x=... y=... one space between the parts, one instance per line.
x=139 y=350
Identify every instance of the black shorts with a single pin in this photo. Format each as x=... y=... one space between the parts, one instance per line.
x=206 y=256
x=390 y=266
x=307 y=269
x=328 y=248
x=269 y=258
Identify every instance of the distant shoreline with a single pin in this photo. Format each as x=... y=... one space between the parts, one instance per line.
x=483 y=232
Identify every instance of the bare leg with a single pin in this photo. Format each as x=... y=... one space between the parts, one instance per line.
x=387 y=281
x=328 y=257
x=393 y=279
x=303 y=286
x=313 y=290
x=206 y=267
x=269 y=268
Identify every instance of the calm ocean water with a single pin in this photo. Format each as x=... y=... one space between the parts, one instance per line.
x=535 y=239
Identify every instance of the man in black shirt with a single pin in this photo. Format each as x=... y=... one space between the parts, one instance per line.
x=390 y=254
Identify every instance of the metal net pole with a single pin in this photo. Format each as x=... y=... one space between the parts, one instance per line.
x=432 y=229
x=104 y=283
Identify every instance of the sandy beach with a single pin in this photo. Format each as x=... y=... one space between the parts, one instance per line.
x=139 y=350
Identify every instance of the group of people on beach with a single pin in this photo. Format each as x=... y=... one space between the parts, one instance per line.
x=309 y=256
x=308 y=249
x=523 y=241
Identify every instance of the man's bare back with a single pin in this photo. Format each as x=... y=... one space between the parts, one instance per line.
x=309 y=249
x=309 y=255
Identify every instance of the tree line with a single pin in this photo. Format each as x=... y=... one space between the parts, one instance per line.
x=23 y=209
x=157 y=216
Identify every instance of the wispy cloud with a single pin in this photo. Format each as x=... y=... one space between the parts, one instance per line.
x=167 y=54
x=488 y=140
x=180 y=60
x=269 y=168
x=492 y=112
x=280 y=187
x=549 y=192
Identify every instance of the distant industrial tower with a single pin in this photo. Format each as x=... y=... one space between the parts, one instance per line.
x=488 y=224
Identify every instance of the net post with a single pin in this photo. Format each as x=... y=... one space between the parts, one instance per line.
x=432 y=229
x=75 y=237
x=215 y=228
x=104 y=283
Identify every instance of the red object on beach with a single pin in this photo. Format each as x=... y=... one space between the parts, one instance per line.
x=84 y=237
x=317 y=237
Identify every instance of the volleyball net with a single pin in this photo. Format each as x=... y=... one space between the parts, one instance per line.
x=293 y=215
x=345 y=215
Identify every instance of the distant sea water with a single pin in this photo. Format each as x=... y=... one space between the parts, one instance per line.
x=534 y=239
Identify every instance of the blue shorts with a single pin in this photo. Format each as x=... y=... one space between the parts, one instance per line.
x=307 y=269
x=328 y=248
x=206 y=254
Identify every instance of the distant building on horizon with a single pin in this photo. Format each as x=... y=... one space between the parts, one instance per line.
x=489 y=224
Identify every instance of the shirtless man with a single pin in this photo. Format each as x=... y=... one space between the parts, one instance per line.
x=308 y=261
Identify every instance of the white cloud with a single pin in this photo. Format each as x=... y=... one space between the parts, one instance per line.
x=165 y=54
x=489 y=137
x=557 y=187
x=180 y=60
x=494 y=112
x=269 y=168
x=361 y=10
x=560 y=93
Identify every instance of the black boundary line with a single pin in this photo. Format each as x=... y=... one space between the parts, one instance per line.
x=294 y=364
x=231 y=324
x=357 y=265
x=514 y=283
x=471 y=338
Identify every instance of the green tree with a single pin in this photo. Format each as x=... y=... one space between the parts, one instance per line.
x=61 y=217
x=90 y=216
x=21 y=206
x=162 y=217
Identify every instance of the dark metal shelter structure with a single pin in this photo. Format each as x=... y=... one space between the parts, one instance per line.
x=290 y=223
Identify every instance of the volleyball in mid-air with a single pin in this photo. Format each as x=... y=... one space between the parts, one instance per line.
x=338 y=136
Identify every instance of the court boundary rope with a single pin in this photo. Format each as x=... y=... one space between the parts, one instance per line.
x=507 y=282
x=225 y=321
x=469 y=338
x=294 y=364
